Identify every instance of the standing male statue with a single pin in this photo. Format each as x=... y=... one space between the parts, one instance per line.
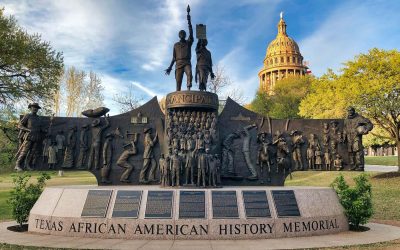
x=204 y=64
x=355 y=126
x=83 y=147
x=97 y=131
x=31 y=137
x=181 y=57
x=149 y=163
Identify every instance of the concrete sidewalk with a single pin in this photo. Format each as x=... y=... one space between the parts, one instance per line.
x=377 y=233
x=379 y=168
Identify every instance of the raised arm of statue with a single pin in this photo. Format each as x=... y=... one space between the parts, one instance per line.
x=190 y=38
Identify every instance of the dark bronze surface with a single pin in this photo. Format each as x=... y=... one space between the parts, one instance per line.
x=285 y=203
x=192 y=205
x=256 y=204
x=224 y=204
x=238 y=141
x=159 y=205
x=96 y=203
x=127 y=204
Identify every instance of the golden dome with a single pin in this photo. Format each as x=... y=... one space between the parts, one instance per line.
x=283 y=58
x=282 y=44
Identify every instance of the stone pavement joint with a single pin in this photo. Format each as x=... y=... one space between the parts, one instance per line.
x=377 y=233
x=379 y=168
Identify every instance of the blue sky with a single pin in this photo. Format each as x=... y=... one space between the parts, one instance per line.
x=130 y=42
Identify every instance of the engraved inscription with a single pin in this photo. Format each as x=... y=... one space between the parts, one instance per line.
x=192 y=98
x=256 y=204
x=127 y=204
x=224 y=204
x=191 y=204
x=285 y=203
x=96 y=203
x=159 y=204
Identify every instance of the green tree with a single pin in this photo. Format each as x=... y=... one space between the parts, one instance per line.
x=29 y=67
x=24 y=195
x=8 y=137
x=370 y=83
x=284 y=103
x=356 y=201
x=324 y=100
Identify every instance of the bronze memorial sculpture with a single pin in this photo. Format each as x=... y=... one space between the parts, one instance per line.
x=193 y=145
x=193 y=172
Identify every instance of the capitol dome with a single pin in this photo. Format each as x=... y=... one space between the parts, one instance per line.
x=283 y=59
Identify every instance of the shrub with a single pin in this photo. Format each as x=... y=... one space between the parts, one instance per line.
x=24 y=195
x=356 y=201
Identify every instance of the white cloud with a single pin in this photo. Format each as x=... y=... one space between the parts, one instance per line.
x=348 y=31
x=146 y=90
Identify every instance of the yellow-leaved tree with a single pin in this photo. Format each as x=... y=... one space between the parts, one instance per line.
x=370 y=83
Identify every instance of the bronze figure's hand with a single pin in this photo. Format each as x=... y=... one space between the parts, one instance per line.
x=167 y=71
x=212 y=76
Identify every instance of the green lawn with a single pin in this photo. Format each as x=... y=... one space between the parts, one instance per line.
x=381 y=160
x=385 y=189
x=69 y=178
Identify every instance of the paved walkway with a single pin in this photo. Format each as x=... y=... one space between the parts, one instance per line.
x=377 y=233
x=379 y=168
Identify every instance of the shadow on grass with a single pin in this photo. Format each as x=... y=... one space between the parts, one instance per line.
x=387 y=175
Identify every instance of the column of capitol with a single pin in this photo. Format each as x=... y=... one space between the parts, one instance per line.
x=283 y=59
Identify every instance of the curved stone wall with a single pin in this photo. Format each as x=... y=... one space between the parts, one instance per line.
x=64 y=211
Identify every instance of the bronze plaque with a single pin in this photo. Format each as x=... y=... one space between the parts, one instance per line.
x=96 y=203
x=159 y=205
x=127 y=204
x=224 y=204
x=192 y=205
x=285 y=203
x=256 y=204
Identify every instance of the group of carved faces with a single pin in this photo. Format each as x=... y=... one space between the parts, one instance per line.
x=186 y=125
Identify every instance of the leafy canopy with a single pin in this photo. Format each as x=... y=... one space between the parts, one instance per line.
x=29 y=67
x=285 y=101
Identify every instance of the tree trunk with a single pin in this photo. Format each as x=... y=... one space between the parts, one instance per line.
x=398 y=155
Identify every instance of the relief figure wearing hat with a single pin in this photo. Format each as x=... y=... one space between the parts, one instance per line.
x=31 y=130
x=97 y=131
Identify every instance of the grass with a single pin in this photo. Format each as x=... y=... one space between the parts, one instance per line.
x=69 y=178
x=385 y=189
x=381 y=160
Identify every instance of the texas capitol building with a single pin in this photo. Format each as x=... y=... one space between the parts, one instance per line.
x=283 y=59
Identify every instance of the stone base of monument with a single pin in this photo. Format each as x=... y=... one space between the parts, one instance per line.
x=148 y=212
